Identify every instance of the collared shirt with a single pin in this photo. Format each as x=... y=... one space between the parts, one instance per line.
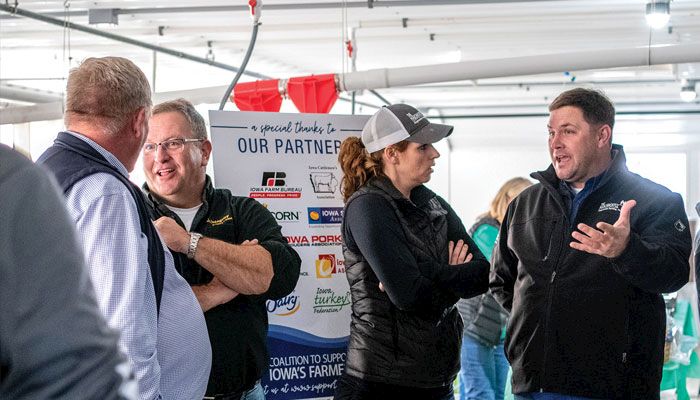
x=169 y=352
x=237 y=329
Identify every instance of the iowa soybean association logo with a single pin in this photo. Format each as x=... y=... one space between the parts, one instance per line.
x=325 y=215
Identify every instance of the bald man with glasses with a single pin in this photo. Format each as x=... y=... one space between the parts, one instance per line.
x=229 y=249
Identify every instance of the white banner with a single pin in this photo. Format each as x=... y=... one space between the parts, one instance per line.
x=289 y=163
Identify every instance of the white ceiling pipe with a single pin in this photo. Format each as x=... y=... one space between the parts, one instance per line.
x=28 y=95
x=39 y=112
x=517 y=66
x=52 y=111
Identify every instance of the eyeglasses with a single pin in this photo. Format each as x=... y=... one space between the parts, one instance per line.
x=170 y=145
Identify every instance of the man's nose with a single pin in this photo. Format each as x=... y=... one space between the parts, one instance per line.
x=161 y=153
x=555 y=141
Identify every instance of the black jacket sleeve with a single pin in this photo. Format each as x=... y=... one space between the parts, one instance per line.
x=257 y=223
x=377 y=233
x=657 y=256
x=467 y=279
x=504 y=266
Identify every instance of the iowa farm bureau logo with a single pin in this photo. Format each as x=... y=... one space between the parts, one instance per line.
x=329 y=264
x=325 y=215
x=274 y=186
x=285 y=306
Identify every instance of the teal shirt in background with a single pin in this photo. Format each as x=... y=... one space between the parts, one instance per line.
x=485 y=238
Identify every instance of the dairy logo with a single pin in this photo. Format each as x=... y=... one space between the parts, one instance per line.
x=285 y=306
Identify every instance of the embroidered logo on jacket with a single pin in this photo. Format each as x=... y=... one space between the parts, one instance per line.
x=220 y=221
x=680 y=226
x=610 y=206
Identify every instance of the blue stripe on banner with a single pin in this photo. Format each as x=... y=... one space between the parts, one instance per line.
x=297 y=336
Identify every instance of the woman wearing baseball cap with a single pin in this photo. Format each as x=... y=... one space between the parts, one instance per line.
x=408 y=260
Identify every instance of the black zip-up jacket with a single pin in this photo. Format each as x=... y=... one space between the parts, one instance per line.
x=237 y=329
x=582 y=324
x=410 y=334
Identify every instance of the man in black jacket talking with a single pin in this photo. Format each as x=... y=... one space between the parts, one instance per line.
x=581 y=262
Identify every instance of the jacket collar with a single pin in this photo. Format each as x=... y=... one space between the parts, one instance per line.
x=158 y=204
x=420 y=195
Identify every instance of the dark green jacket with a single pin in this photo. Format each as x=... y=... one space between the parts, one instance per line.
x=237 y=329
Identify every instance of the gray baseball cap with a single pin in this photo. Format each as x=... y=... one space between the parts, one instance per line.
x=397 y=122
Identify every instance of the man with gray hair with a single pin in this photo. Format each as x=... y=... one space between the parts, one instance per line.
x=229 y=248
x=108 y=103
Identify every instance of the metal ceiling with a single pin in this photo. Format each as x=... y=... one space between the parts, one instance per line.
x=306 y=37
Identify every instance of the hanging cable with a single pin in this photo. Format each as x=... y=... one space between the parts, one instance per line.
x=255 y=6
x=343 y=37
x=66 y=32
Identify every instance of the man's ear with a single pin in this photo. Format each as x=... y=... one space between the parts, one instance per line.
x=604 y=136
x=206 y=152
x=139 y=124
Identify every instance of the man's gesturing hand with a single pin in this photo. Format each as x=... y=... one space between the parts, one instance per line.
x=608 y=240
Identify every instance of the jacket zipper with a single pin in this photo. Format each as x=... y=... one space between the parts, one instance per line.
x=550 y=295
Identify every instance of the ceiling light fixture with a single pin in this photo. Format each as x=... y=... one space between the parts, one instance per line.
x=658 y=13
x=688 y=92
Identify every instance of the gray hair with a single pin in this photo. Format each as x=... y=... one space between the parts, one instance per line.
x=184 y=107
x=107 y=91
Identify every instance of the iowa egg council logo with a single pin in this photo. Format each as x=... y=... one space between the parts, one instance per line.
x=327 y=265
x=325 y=215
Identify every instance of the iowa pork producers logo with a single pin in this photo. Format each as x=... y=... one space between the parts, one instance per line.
x=314 y=240
x=325 y=215
x=274 y=186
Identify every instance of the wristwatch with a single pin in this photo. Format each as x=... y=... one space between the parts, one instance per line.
x=194 y=240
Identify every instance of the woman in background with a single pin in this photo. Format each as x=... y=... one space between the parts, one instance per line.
x=484 y=364
x=407 y=261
